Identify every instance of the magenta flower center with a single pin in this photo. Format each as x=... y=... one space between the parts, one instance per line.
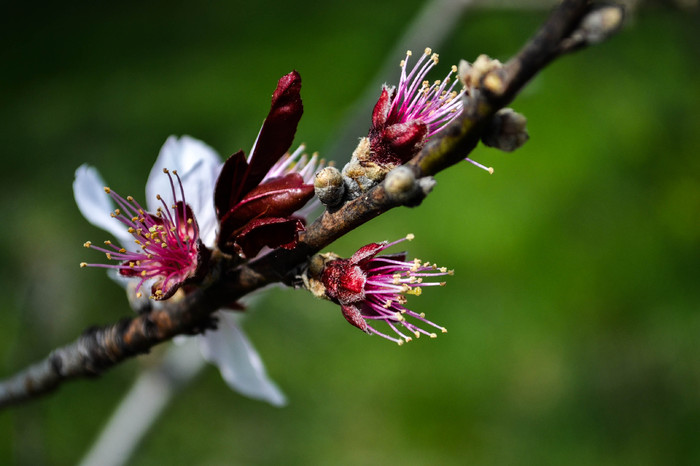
x=434 y=104
x=165 y=242
x=374 y=288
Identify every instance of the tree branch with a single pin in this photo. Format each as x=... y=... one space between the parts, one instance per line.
x=101 y=348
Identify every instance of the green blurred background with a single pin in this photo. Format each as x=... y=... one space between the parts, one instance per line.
x=573 y=316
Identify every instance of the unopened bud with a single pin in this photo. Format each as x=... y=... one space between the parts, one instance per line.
x=399 y=181
x=329 y=186
x=507 y=131
x=471 y=75
x=601 y=23
x=401 y=185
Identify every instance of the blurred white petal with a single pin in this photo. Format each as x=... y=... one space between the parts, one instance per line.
x=239 y=362
x=95 y=204
x=198 y=166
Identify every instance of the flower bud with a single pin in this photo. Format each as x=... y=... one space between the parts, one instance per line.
x=507 y=130
x=329 y=186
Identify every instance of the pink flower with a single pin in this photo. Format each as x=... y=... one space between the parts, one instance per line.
x=170 y=252
x=374 y=288
x=406 y=116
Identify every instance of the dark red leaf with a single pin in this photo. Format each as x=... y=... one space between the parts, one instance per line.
x=280 y=197
x=271 y=232
x=230 y=178
x=277 y=132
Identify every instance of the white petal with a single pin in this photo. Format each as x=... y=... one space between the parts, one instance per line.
x=239 y=363
x=95 y=204
x=198 y=166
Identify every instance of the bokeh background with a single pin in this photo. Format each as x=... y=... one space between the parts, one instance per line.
x=574 y=313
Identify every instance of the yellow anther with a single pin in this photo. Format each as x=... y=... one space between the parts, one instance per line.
x=165 y=170
x=432 y=335
x=139 y=294
x=129 y=198
x=400 y=342
x=428 y=51
x=444 y=330
x=107 y=190
x=87 y=244
x=122 y=250
x=410 y=236
x=109 y=255
x=83 y=264
x=131 y=264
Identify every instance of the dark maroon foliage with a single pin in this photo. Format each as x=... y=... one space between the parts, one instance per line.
x=252 y=213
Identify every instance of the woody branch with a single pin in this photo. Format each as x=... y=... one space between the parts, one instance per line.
x=573 y=25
